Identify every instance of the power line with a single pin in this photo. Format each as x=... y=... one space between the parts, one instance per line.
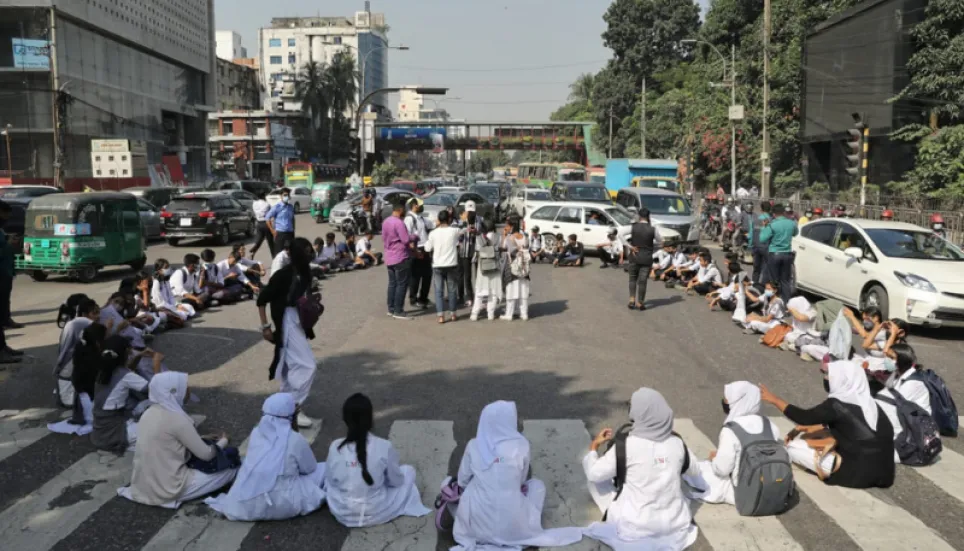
x=502 y=70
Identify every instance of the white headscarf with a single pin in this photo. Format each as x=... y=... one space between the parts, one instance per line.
x=498 y=425
x=267 y=449
x=744 y=399
x=848 y=383
x=802 y=305
x=652 y=417
x=168 y=390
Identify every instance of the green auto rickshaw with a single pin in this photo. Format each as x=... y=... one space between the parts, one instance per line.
x=77 y=234
x=324 y=196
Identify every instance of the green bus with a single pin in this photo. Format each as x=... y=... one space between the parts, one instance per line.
x=546 y=174
x=299 y=174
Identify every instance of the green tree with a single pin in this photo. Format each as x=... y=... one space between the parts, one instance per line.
x=580 y=91
x=340 y=85
x=485 y=161
x=384 y=174
x=939 y=171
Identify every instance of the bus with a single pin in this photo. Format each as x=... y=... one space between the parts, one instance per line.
x=299 y=174
x=546 y=174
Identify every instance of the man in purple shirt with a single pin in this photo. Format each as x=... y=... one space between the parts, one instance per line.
x=397 y=243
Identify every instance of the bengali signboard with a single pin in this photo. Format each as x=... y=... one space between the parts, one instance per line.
x=31 y=54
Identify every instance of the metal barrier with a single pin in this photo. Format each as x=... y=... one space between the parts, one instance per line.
x=953 y=221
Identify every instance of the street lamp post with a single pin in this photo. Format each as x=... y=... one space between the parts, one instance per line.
x=6 y=135
x=362 y=65
x=425 y=91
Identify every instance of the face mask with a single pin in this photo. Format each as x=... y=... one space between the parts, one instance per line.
x=868 y=325
x=826 y=385
x=285 y=199
x=768 y=293
x=726 y=407
x=889 y=365
x=166 y=272
x=936 y=226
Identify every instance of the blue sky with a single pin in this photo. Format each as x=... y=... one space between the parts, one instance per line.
x=508 y=60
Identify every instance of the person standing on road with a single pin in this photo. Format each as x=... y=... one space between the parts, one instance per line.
x=7 y=273
x=421 y=279
x=398 y=244
x=443 y=243
x=472 y=227
x=261 y=208
x=644 y=240
x=281 y=220
x=777 y=235
x=515 y=274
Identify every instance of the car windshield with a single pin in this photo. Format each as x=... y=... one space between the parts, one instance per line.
x=621 y=216
x=914 y=244
x=588 y=193
x=666 y=204
x=441 y=199
x=491 y=193
x=537 y=195
x=13 y=192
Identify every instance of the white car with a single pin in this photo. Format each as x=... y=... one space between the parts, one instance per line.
x=574 y=218
x=300 y=198
x=523 y=201
x=904 y=270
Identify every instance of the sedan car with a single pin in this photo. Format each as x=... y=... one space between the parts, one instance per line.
x=246 y=198
x=205 y=215
x=906 y=271
x=439 y=201
x=300 y=198
x=590 y=222
x=580 y=191
x=522 y=200
x=668 y=210
x=388 y=196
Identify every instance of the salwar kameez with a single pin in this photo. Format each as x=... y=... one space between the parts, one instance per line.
x=297 y=362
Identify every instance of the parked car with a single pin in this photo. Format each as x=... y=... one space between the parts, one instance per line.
x=157 y=196
x=906 y=271
x=300 y=198
x=438 y=201
x=254 y=187
x=14 y=192
x=418 y=188
x=493 y=194
x=574 y=218
x=211 y=214
x=522 y=200
x=669 y=211
x=580 y=191
x=389 y=196
x=246 y=198
x=150 y=218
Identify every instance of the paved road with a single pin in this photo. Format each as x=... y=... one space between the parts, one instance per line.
x=571 y=369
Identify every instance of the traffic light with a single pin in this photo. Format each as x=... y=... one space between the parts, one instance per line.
x=855 y=149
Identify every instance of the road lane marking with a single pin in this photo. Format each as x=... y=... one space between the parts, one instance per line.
x=13 y=438
x=427 y=446
x=197 y=527
x=871 y=523
x=722 y=526
x=49 y=514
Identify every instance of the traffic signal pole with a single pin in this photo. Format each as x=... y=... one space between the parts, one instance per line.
x=864 y=163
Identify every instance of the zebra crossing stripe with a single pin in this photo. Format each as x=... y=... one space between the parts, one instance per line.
x=722 y=526
x=557 y=447
x=196 y=526
x=13 y=438
x=872 y=524
x=427 y=446
x=49 y=514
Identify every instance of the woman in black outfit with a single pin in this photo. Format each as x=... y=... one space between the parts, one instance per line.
x=863 y=456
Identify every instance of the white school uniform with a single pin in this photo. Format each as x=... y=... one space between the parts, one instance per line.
x=162 y=297
x=184 y=283
x=297 y=364
x=709 y=274
x=801 y=328
x=662 y=259
x=912 y=390
x=393 y=493
x=775 y=308
x=488 y=287
x=224 y=270
x=280 y=260
x=679 y=259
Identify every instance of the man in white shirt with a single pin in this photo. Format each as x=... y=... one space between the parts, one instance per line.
x=260 y=208
x=536 y=250
x=421 y=278
x=253 y=269
x=231 y=272
x=282 y=259
x=662 y=258
x=211 y=281
x=363 y=250
x=184 y=283
x=707 y=278
x=610 y=251
x=443 y=244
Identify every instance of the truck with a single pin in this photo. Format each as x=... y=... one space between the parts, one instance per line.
x=655 y=173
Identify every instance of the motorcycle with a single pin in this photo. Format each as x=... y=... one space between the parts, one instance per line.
x=727 y=235
x=357 y=223
x=711 y=227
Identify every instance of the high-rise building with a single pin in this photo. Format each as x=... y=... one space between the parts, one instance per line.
x=229 y=46
x=291 y=42
x=73 y=71
x=412 y=108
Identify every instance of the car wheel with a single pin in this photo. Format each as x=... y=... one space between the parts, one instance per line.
x=297 y=207
x=173 y=241
x=876 y=296
x=38 y=275
x=224 y=235
x=87 y=274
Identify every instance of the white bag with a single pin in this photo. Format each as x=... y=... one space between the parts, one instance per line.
x=739 y=314
x=840 y=339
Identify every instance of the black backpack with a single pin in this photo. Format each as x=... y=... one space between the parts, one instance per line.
x=919 y=440
x=943 y=408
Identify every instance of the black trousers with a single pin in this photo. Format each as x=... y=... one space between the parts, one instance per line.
x=420 y=280
x=6 y=288
x=466 y=290
x=262 y=234
x=280 y=239
x=608 y=257
x=759 y=264
x=638 y=279
x=780 y=268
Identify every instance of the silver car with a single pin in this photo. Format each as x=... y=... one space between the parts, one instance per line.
x=668 y=210
x=439 y=201
x=388 y=195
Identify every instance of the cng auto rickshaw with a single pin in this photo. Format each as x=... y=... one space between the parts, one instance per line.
x=78 y=234
x=324 y=196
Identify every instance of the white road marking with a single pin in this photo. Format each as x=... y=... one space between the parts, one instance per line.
x=872 y=524
x=49 y=514
x=557 y=447
x=722 y=526
x=195 y=526
x=427 y=446
x=13 y=438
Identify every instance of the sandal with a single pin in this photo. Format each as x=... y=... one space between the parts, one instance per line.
x=453 y=317
x=631 y=305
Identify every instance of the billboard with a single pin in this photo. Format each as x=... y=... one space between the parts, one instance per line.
x=31 y=54
x=410 y=133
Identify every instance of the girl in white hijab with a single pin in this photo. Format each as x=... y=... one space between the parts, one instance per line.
x=280 y=477
x=741 y=404
x=862 y=456
x=651 y=512
x=500 y=509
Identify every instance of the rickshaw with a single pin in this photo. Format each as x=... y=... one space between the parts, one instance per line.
x=78 y=234
x=324 y=196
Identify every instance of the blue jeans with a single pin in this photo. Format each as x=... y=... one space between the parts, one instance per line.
x=398 y=286
x=441 y=277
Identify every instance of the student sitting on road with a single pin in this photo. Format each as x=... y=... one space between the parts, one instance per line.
x=280 y=477
x=536 y=251
x=231 y=272
x=573 y=254
x=612 y=250
x=365 y=483
x=558 y=250
x=211 y=280
x=726 y=297
x=802 y=317
x=166 y=441
x=774 y=310
x=112 y=315
x=363 y=250
x=862 y=455
x=707 y=278
x=87 y=313
x=119 y=395
x=351 y=250
x=902 y=381
x=741 y=405
x=162 y=297
x=184 y=283
x=82 y=378
x=688 y=269
x=671 y=274
x=143 y=306
x=283 y=258
x=662 y=260
x=651 y=510
x=500 y=506
x=254 y=270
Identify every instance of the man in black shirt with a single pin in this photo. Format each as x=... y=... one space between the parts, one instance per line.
x=644 y=240
x=572 y=254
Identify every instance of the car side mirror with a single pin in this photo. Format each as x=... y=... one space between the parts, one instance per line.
x=854 y=252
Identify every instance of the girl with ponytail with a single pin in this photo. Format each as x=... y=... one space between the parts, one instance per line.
x=366 y=486
x=119 y=393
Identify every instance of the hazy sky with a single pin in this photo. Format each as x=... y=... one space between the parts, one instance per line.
x=508 y=60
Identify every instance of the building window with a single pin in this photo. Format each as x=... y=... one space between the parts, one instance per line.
x=291 y=42
x=274 y=43
x=276 y=60
x=337 y=40
x=292 y=58
x=276 y=76
x=276 y=93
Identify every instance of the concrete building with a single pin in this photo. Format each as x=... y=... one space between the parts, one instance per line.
x=229 y=46
x=412 y=107
x=253 y=144
x=291 y=42
x=139 y=70
x=239 y=86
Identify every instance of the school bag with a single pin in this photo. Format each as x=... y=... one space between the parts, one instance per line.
x=919 y=441
x=840 y=338
x=765 y=482
x=445 y=503
x=488 y=261
x=943 y=409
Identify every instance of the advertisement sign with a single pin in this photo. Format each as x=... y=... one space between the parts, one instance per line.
x=109 y=146
x=71 y=229
x=31 y=54
x=411 y=133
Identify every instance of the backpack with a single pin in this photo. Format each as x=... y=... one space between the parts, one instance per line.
x=445 y=503
x=488 y=261
x=919 y=441
x=765 y=482
x=943 y=409
x=520 y=264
